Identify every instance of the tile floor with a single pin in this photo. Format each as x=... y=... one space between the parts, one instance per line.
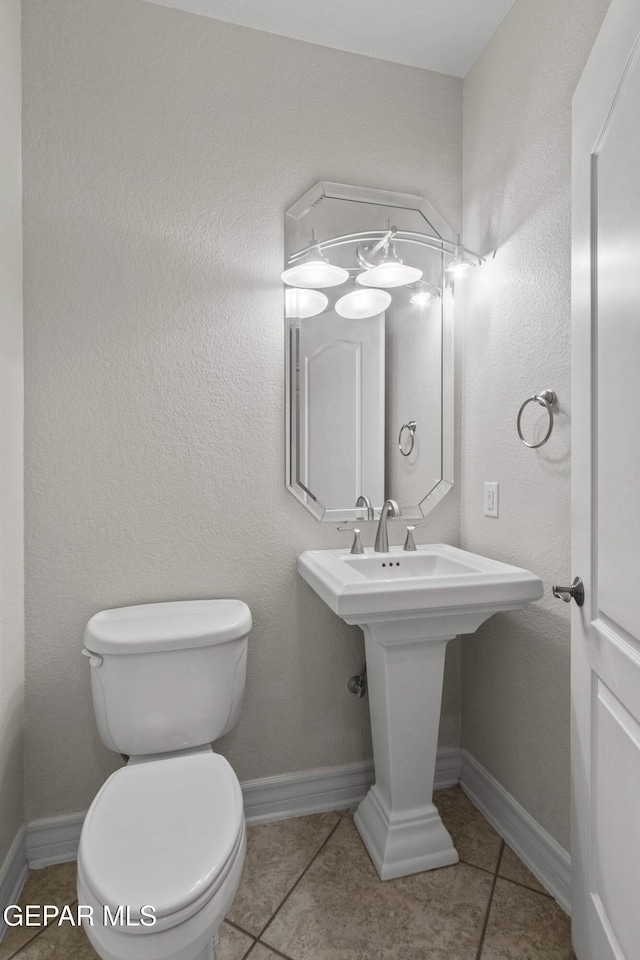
x=310 y=892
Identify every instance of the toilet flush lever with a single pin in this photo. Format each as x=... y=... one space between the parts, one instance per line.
x=94 y=659
x=575 y=591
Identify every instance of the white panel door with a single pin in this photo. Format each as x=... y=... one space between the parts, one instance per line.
x=606 y=494
x=342 y=409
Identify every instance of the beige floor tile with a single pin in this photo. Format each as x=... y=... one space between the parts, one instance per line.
x=233 y=944
x=512 y=868
x=55 y=885
x=277 y=853
x=260 y=952
x=524 y=925
x=473 y=837
x=59 y=943
x=341 y=910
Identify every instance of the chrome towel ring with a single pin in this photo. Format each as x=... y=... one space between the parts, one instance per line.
x=411 y=427
x=546 y=399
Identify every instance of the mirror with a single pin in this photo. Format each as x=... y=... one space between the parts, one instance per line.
x=369 y=367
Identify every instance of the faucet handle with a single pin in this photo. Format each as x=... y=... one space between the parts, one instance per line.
x=409 y=543
x=356 y=546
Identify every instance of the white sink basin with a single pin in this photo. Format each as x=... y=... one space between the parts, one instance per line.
x=436 y=578
x=409 y=605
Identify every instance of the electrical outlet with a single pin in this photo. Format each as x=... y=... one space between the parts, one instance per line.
x=491 y=499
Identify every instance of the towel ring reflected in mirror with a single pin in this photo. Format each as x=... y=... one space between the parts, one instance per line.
x=408 y=440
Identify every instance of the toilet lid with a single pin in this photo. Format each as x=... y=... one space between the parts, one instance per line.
x=162 y=832
x=153 y=627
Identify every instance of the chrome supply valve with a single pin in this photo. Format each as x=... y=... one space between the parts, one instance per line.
x=356 y=546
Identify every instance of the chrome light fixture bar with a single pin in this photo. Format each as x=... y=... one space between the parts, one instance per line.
x=382 y=237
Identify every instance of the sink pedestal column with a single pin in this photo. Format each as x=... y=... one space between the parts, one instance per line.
x=397 y=820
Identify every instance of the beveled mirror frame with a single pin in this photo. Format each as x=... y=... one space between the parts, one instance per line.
x=438 y=229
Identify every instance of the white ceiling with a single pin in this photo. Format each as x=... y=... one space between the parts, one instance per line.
x=442 y=35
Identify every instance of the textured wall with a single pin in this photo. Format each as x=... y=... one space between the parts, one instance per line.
x=161 y=150
x=516 y=341
x=11 y=514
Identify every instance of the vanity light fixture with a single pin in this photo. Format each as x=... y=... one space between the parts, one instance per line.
x=360 y=304
x=461 y=261
x=315 y=271
x=310 y=268
x=424 y=293
x=390 y=272
x=304 y=303
x=378 y=268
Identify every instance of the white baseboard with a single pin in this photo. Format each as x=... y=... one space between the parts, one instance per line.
x=55 y=839
x=447 y=768
x=312 y=791
x=333 y=788
x=13 y=874
x=548 y=861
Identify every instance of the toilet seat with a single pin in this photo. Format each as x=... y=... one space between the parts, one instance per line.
x=165 y=833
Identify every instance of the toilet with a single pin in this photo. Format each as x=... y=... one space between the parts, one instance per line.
x=163 y=843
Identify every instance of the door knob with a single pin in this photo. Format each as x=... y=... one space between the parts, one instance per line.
x=576 y=590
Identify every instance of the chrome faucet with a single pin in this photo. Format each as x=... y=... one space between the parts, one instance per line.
x=382 y=540
x=363 y=501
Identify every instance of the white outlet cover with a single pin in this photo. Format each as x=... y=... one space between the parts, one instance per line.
x=491 y=495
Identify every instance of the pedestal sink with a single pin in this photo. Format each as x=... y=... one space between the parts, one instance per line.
x=409 y=605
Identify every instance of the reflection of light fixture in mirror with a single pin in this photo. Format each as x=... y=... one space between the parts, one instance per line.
x=315 y=270
x=363 y=303
x=304 y=303
x=424 y=292
x=460 y=263
x=390 y=272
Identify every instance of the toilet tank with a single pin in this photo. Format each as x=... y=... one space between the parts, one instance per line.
x=167 y=676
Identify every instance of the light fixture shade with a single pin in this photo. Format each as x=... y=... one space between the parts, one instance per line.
x=390 y=273
x=460 y=264
x=424 y=293
x=360 y=304
x=303 y=303
x=316 y=273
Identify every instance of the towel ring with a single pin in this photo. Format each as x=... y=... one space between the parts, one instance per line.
x=411 y=427
x=546 y=399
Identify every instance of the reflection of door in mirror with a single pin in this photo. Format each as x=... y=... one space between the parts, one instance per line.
x=342 y=408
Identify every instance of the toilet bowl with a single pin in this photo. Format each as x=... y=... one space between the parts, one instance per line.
x=163 y=843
